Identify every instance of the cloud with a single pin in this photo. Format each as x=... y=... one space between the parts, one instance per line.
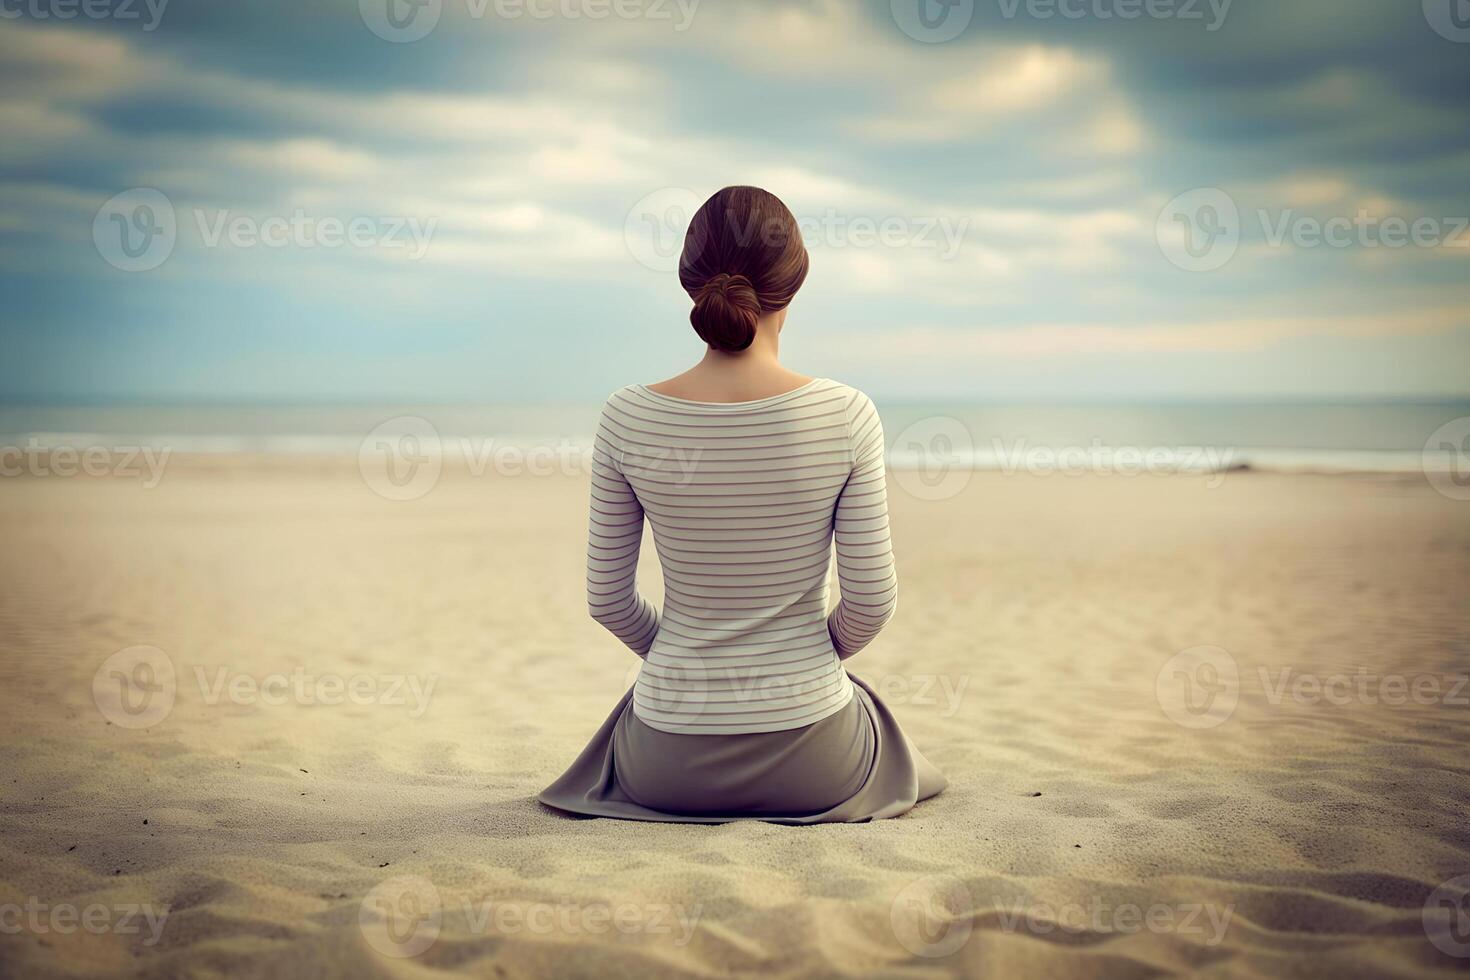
x=1022 y=79
x=66 y=65
x=1245 y=334
x=1023 y=167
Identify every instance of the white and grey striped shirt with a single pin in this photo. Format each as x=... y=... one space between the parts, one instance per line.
x=743 y=499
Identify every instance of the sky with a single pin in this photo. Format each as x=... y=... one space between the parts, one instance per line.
x=300 y=201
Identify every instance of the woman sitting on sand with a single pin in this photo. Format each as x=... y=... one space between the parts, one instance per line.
x=746 y=472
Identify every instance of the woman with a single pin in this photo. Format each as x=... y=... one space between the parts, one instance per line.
x=746 y=472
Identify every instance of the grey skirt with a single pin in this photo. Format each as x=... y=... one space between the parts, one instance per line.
x=852 y=766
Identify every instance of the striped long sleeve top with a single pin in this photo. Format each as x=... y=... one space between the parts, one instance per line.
x=745 y=501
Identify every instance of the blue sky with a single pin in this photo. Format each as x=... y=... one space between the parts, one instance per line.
x=989 y=216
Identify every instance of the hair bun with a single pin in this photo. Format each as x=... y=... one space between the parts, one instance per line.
x=750 y=230
x=725 y=312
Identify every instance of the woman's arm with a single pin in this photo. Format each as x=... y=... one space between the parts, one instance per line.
x=865 y=571
x=615 y=531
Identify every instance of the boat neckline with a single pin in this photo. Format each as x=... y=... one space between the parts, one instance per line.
x=754 y=401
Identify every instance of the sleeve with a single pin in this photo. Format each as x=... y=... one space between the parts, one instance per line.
x=614 y=535
x=865 y=572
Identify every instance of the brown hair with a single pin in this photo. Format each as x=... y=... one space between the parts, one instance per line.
x=743 y=256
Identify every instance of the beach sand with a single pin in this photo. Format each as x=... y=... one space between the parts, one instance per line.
x=1086 y=832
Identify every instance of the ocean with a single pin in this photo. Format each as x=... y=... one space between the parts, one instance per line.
x=1396 y=436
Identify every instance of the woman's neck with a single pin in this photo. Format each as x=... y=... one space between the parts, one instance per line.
x=723 y=376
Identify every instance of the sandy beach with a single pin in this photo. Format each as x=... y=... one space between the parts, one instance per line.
x=259 y=721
